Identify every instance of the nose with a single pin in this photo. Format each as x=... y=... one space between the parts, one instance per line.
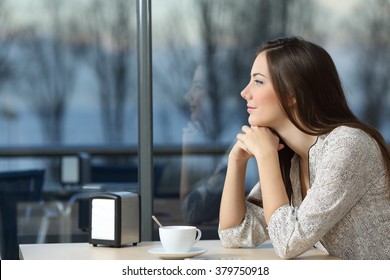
x=189 y=95
x=245 y=93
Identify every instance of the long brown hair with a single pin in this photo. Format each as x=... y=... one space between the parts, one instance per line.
x=307 y=72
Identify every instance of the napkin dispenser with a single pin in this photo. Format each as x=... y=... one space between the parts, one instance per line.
x=114 y=219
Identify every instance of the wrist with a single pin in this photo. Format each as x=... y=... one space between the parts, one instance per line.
x=235 y=159
x=267 y=156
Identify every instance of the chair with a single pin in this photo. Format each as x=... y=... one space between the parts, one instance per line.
x=16 y=186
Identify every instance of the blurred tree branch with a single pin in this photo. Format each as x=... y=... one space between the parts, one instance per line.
x=109 y=56
x=49 y=71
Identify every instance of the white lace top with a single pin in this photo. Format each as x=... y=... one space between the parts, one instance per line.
x=346 y=209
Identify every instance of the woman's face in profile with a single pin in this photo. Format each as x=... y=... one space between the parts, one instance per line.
x=262 y=102
x=197 y=94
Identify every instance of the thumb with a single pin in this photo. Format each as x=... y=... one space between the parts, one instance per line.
x=280 y=146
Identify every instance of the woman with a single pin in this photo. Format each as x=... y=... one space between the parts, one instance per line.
x=324 y=175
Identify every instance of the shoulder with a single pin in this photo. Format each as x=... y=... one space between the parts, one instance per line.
x=349 y=138
x=349 y=133
x=344 y=144
x=347 y=152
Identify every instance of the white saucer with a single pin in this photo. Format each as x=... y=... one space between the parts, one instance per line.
x=177 y=256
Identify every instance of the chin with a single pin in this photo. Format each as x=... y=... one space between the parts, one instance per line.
x=252 y=122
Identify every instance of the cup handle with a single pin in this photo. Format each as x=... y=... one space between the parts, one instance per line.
x=199 y=235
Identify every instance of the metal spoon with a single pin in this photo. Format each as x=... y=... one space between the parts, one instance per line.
x=157 y=221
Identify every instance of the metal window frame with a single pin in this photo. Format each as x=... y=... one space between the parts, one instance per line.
x=145 y=117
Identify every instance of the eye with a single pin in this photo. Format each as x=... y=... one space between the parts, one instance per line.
x=258 y=82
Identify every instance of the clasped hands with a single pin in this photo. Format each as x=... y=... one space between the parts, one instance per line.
x=256 y=141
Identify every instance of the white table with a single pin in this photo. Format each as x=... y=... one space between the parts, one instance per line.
x=215 y=251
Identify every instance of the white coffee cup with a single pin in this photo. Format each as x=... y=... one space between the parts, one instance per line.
x=179 y=239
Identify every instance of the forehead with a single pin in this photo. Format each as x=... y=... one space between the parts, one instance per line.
x=260 y=64
x=200 y=74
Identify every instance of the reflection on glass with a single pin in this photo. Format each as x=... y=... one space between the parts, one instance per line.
x=200 y=126
x=200 y=185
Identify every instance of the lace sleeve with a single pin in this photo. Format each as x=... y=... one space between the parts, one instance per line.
x=252 y=231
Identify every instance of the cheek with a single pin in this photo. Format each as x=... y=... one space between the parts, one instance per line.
x=268 y=98
x=199 y=96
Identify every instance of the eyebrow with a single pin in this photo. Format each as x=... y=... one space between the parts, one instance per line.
x=258 y=74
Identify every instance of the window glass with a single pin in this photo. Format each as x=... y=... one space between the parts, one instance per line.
x=68 y=104
x=68 y=73
x=68 y=87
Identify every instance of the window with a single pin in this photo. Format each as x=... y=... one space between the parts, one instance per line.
x=68 y=87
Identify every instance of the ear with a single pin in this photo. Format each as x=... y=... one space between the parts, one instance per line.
x=292 y=101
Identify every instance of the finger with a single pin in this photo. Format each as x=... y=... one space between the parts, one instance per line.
x=243 y=147
x=245 y=128
x=240 y=141
x=240 y=136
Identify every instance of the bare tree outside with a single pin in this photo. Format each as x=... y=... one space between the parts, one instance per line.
x=112 y=34
x=49 y=72
x=6 y=69
x=174 y=62
x=8 y=112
